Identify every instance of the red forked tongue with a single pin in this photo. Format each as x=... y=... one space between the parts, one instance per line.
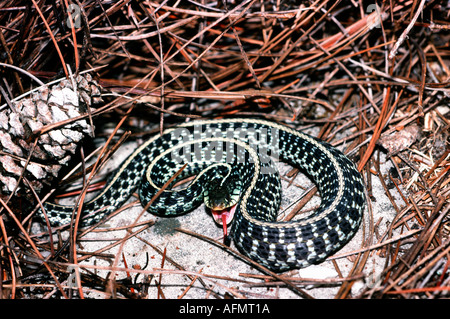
x=224 y=225
x=224 y=217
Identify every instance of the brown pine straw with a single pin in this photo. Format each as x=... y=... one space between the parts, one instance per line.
x=352 y=75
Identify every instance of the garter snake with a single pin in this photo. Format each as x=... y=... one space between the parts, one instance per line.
x=236 y=152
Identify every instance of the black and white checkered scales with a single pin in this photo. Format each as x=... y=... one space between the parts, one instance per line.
x=210 y=148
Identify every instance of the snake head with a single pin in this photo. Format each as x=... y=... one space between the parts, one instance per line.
x=221 y=195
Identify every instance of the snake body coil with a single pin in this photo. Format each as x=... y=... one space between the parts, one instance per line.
x=206 y=146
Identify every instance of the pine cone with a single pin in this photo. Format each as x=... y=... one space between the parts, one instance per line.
x=53 y=149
